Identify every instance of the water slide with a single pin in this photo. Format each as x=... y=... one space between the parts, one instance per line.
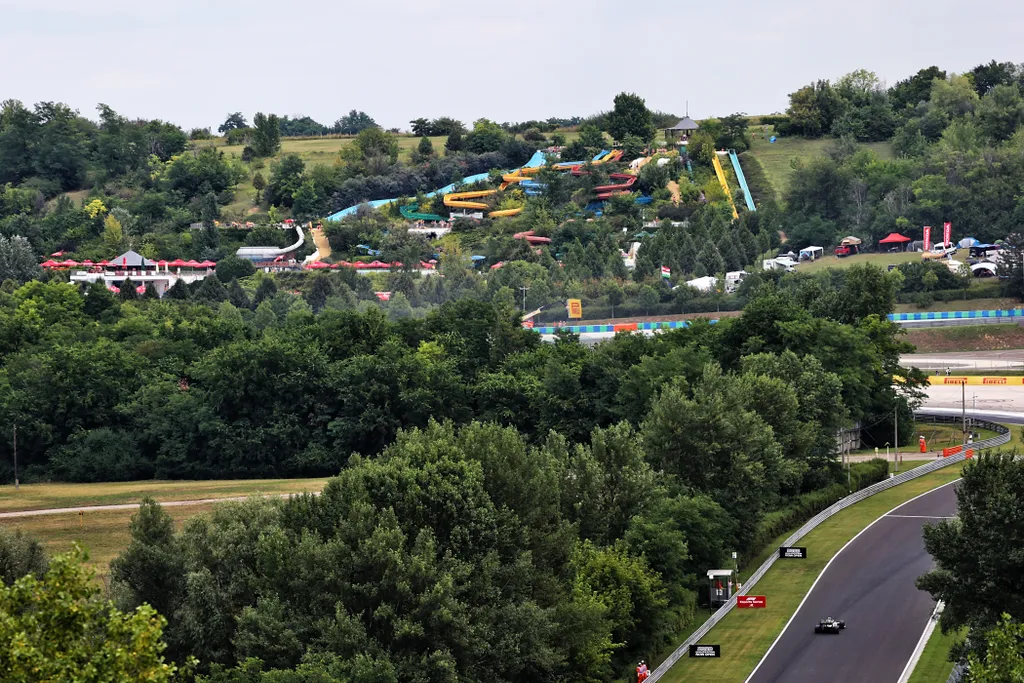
x=458 y=200
x=720 y=172
x=537 y=160
x=411 y=212
x=742 y=180
x=606 y=191
x=521 y=174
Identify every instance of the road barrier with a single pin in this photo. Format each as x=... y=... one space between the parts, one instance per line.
x=1002 y=438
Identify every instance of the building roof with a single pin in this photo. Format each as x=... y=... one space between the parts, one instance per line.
x=685 y=123
x=131 y=259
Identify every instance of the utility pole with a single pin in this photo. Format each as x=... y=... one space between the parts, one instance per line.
x=963 y=410
x=896 y=437
x=16 y=484
x=524 y=290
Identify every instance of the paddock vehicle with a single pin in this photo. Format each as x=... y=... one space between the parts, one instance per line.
x=829 y=625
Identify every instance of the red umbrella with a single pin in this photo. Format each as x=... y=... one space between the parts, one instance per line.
x=207 y=264
x=316 y=265
x=177 y=263
x=425 y=264
x=49 y=264
x=894 y=238
x=192 y=263
x=103 y=263
x=378 y=264
x=69 y=263
x=343 y=264
x=141 y=289
x=161 y=263
x=87 y=262
x=360 y=264
x=497 y=265
x=334 y=265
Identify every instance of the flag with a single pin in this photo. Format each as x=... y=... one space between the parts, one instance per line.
x=666 y=272
x=927 y=238
x=947 y=233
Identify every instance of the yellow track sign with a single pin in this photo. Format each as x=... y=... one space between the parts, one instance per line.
x=575 y=307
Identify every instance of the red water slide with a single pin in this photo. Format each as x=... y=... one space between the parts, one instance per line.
x=606 y=191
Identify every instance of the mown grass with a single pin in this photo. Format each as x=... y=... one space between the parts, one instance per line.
x=934 y=667
x=989 y=304
x=777 y=158
x=43 y=496
x=880 y=260
x=966 y=338
x=747 y=634
x=103 y=534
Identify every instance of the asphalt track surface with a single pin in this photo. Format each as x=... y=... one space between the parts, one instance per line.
x=870 y=584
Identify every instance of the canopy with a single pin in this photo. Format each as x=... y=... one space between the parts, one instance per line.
x=177 y=263
x=207 y=264
x=103 y=263
x=894 y=238
x=360 y=264
x=685 y=123
x=497 y=265
x=87 y=262
x=132 y=259
x=192 y=263
x=141 y=289
x=49 y=263
x=161 y=263
x=377 y=264
x=850 y=241
x=69 y=263
x=316 y=265
x=968 y=242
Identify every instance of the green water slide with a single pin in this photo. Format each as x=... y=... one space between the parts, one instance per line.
x=409 y=212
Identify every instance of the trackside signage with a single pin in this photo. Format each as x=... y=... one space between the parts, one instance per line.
x=751 y=601
x=790 y=553
x=705 y=650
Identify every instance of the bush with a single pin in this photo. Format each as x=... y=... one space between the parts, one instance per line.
x=791 y=517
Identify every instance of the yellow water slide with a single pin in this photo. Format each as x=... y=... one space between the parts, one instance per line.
x=458 y=200
x=523 y=173
x=720 y=172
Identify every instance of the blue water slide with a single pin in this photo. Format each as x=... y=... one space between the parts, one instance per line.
x=538 y=159
x=689 y=167
x=742 y=180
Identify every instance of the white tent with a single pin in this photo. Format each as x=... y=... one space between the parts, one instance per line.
x=703 y=284
x=811 y=253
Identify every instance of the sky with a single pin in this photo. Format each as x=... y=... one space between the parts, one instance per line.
x=192 y=62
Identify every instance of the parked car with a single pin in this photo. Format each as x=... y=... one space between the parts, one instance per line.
x=843 y=250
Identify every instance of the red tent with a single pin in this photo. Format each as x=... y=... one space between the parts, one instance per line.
x=894 y=238
x=193 y=263
x=104 y=262
x=87 y=262
x=69 y=263
x=377 y=264
x=207 y=264
x=360 y=264
x=161 y=263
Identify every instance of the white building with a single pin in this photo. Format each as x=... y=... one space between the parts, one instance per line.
x=141 y=271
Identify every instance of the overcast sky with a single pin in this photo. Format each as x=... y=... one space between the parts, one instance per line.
x=192 y=61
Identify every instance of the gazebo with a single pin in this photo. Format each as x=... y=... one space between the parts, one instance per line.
x=894 y=238
x=685 y=128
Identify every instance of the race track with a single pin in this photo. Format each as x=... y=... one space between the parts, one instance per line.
x=870 y=584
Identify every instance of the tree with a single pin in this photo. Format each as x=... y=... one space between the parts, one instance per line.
x=20 y=555
x=592 y=139
x=986 y=77
x=613 y=293
x=454 y=143
x=320 y=292
x=58 y=628
x=1004 y=660
x=425 y=148
x=630 y=116
x=232 y=122
x=259 y=183
x=17 y=262
x=266 y=134
x=354 y=122
x=1001 y=112
x=632 y=147
x=233 y=267
x=954 y=96
x=990 y=519
x=237 y=296
x=151 y=569
x=285 y=180
x=648 y=297
x=734 y=132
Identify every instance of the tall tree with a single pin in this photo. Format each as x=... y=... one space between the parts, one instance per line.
x=266 y=136
x=630 y=116
x=233 y=121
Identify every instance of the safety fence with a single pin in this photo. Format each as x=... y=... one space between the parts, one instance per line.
x=1002 y=438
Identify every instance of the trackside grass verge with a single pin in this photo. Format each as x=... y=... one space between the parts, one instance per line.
x=41 y=496
x=933 y=665
x=745 y=635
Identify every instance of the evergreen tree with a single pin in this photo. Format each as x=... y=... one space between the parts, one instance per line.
x=320 y=292
x=179 y=290
x=265 y=290
x=237 y=295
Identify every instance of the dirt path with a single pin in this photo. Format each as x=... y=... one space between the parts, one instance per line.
x=673 y=187
x=133 y=506
x=323 y=247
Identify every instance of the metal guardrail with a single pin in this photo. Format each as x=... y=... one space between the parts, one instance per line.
x=957 y=674
x=1001 y=439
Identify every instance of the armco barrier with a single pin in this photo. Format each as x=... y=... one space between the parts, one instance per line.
x=956 y=315
x=1002 y=438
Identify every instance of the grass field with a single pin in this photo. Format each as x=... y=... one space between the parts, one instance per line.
x=880 y=260
x=41 y=496
x=105 y=533
x=747 y=634
x=937 y=436
x=966 y=338
x=933 y=667
x=777 y=158
x=996 y=303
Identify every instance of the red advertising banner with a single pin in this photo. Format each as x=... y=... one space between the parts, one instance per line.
x=927 y=238
x=751 y=601
x=947 y=233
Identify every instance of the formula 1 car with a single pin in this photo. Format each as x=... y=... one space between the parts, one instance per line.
x=829 y=625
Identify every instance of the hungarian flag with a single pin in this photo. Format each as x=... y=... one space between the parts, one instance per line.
x=666 y=272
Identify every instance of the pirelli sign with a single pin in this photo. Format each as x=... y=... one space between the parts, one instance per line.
x=977 y=380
